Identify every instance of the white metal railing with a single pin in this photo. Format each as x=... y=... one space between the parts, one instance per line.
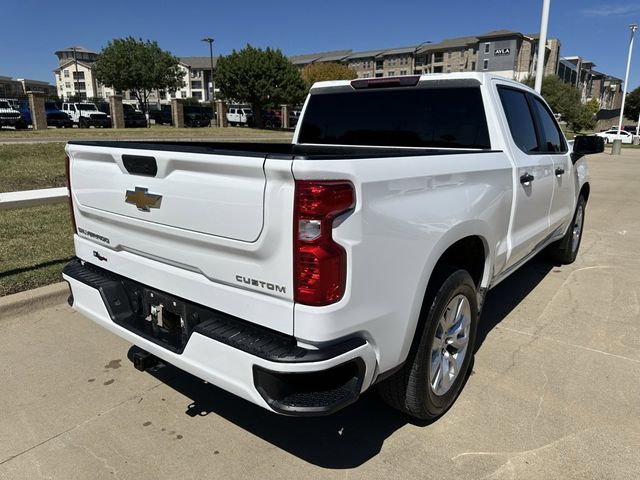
x=33 y=198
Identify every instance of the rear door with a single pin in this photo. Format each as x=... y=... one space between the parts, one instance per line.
x=553 y=143
x=534 y=178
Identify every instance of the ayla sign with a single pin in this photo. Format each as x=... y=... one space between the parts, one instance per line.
x=502 y=51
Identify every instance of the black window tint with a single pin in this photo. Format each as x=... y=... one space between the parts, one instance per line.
x=403 y=117
x=519 y=118
x=550 y=134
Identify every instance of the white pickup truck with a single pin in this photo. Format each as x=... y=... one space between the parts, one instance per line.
x=297 y=276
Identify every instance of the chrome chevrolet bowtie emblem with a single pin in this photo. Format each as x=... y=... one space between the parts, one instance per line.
x=142 y=199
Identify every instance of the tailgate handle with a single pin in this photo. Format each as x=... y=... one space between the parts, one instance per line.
x=140 y=165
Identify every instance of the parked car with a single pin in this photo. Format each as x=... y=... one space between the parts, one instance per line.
x=9 y=116
x=85 y=115
x=611 y=135
x=56 y=117
x=294 y=116
x=299 y=276
x=240 y=116
x=197 y=116
x=133 y=118
x=272 y=118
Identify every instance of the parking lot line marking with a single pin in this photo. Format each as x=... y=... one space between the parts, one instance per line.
x=568 y=344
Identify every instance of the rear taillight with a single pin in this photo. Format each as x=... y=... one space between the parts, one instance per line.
x=320 y=264
x=67 y=168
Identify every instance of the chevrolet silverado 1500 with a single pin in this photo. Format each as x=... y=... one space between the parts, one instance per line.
x=297 y=276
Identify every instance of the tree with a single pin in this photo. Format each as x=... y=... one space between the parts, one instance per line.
x=632 y=105
x=565 y=99
x=138 y=66
x=259 y=77
x=318 y=72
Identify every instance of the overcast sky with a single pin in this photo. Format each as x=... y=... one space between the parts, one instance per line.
x=33 y=30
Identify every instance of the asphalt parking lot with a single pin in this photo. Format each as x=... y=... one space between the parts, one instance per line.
x=554 y=393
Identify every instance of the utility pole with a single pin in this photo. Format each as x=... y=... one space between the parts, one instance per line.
x=76 y=90
x=615 y=150
x=542 y=45
x=210 y=41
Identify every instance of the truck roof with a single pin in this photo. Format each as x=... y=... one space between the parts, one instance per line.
x=480 y=77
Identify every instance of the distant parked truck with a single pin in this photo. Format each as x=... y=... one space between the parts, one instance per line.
x=9 y=116
x=86 y=115
x=133 y=118
x=55 y=117
x=240 y=116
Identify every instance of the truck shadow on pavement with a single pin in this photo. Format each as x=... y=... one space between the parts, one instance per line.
x=355 y=434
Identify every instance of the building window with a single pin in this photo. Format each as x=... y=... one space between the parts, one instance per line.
x=379 y=64
x=378 y=75
x=461 y=66
x=473 y=66
x=67 y=84
x=197 y=84
x=487 y=46
x=438 y=57
x=449 y=54
x=403 y=72
x=366 y=75
x=391 y=73
x=78 y=75
x=485 y=64
x=66 y=74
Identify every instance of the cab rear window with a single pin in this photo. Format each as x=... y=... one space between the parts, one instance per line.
x=404 y=117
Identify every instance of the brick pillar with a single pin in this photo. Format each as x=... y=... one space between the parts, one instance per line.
x=177 y=112
x=285 y=116
x=38 y=114
x=117 y=112
x=221 y=113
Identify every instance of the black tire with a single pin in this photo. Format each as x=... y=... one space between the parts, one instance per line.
x=410 y=389
x=566 y=249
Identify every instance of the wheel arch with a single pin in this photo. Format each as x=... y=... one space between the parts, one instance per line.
x=468 y=246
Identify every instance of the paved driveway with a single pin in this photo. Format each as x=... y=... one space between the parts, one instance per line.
x=555 y=389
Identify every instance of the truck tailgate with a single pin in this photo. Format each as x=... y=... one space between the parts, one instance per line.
x=227 y=217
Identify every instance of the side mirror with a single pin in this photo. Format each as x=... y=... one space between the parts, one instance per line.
x=587 y=145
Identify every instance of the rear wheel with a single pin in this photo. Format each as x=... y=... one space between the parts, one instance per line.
x=565 y=250
x=437 y=365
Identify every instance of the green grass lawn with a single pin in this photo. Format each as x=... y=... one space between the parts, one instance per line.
x=35 y=243
x=28 y=167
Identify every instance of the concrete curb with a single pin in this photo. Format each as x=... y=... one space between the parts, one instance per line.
x=30 y=301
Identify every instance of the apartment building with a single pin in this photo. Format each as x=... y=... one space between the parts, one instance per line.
x=12 y=88
x=75 y=78
x=579 y=72
x=503 y=52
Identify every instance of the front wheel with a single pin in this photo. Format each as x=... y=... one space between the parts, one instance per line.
x=566 y=249
x=437 y=365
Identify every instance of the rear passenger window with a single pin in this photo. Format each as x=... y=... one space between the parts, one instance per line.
x=520 y=120
x=551 y=137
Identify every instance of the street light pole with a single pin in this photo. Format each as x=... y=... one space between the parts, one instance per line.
x=210 y=41
x=542 y=45
x=633 y=27
x=76 y=90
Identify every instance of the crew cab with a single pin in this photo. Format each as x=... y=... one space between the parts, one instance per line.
x=297 y=276
x=85 y=115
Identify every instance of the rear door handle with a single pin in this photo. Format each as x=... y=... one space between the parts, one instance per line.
x=526 y=178
x=559 y=171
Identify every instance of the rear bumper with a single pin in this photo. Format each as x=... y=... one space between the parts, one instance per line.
x=263 y=366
